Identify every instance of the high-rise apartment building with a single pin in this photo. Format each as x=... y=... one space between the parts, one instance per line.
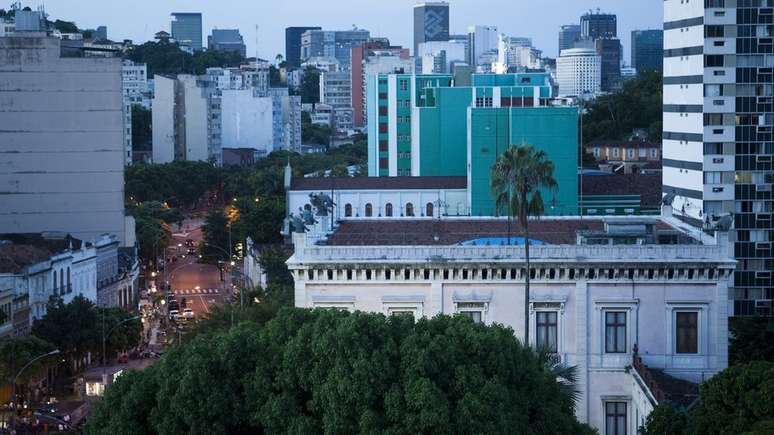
x=431 y=23
x=332 y=44
x=293 y=45
x=336 y=92
x=374 y=57
x=135 y=91
x=647 y=50
x=579 y=72
x=481 y=39
x=186 y=29
x=421 y=125
x=227 y=40
x=568 y=36
x=598 y=25
x=718 y=138
x=62 y=141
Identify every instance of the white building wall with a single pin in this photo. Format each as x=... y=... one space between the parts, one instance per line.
x=246 y=120
x=196 y=122
x=163 y=116
x=61 y=142
x=579 y=72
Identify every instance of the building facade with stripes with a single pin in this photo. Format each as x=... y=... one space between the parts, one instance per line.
x=718 y=140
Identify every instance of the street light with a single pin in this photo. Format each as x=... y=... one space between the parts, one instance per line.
x=104 y=340
x=16 y=379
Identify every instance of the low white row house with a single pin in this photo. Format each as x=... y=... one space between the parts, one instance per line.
x=629 y=301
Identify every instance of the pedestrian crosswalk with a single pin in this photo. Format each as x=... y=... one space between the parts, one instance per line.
x=204 y=291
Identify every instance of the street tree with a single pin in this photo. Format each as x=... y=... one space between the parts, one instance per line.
x=216 y=241
x=15 y=352
x=519 y=176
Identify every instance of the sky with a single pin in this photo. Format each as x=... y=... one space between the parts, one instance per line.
x=138 y=20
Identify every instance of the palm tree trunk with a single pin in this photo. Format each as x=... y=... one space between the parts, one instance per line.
x=526 y=287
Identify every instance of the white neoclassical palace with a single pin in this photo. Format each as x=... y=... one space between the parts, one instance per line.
x=638 y=304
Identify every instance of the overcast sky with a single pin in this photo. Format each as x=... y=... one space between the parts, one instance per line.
x=539 y=19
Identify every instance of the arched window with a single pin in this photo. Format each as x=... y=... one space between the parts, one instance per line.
x=369 y=210
x=62 y=281
x=55 y=282
x=409 y=210
x=348 y=210
x=388 y=210
x=69 y=282
x=429 y=209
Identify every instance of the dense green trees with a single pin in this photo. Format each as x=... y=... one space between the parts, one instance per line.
x=752 y=339
x=167 y=58
x=313 y=134
x=180 y=183
x=215 y=247
x=77 y=328
x=336 y=372
x=615 y=116
x=735 y=401
x=310 y=86
x=15 y=352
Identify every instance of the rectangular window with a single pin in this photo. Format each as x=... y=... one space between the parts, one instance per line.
x=383 y=147
x=687 y=332
x=712 y=177
x=714 y=60
x=615 y=332
x=615 y=418
x=383 y=163
x=546 y=331
x=403 y=84
x=473 y=310
x=382 y=111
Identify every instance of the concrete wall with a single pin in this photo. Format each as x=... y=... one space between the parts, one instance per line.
x=247 y=120
x=61 y=141
x=163 y=120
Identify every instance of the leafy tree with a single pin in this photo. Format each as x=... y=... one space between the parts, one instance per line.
x=518 y=176
x=15 y=352
x=313 y=133
x=64 y=26
x=167 y=58
x=260 y=219
x=142 y=136
x=273 y=262
x=153 y=236
x=310 y=86
x=215 y=229
x=735 y=401
x=752 y=339
x=275 y=78
x=637 y=105
x=445 y=375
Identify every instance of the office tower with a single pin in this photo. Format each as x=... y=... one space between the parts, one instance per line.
x=63 y=141
x=293 y=45
x=431 y=23
x=100 y=33
x=718 y=140
x=424 y=126
x=481 y=39
x=610 y=51
x=647 y=50
x=578 y=72
x=437 y=56
x=332 y=44
x=374 y=57
x=336 y=92
x=598 y=25
x=186 y=28
x=568 y=36
x=227 y=40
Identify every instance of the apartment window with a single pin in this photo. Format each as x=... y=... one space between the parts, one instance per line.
x=382 y=111
x=388 y=210
x=713 y=31
x=403 y=83
x=714 y=60
x=615 y=332
x=369 y=210
x=712 y=177
x=473 y=310
x=713 y=148
x=348 y=210
x=687 y=332
x=546 y=330
x=383 y=163
x=383 y=146
x=615 y=418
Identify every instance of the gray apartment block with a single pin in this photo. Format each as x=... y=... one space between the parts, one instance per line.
x=61 y=141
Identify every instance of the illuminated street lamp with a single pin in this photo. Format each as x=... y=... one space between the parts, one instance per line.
x=153 y=274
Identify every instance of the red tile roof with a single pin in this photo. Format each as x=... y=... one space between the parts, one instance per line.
x=648 y=186
x=402 y=232
x=380 y=183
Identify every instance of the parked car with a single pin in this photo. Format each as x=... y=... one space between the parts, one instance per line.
x=189 y=242
x=174 y=314
x=188 y=313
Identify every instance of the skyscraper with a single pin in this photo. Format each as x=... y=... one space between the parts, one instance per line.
x=481 y=39
x=293 y=45
x=647 y=49
x=431 y=23
x=186 y=28
x=598 y=25
x=336 y=44
x=227 y=40
x=568 y=35
x=718 y=141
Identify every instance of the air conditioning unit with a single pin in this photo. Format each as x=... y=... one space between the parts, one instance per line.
x=763 y=303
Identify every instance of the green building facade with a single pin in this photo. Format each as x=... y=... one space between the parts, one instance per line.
x=428 y=127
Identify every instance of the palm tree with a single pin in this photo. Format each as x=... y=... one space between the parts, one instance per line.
x=518 y=176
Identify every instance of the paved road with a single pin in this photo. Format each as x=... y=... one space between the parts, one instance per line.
x=199 y=284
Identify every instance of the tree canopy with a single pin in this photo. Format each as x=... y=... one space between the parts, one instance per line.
x=337 y=372
x=15 y=352
x=752 y=339
x=310 y=86
x=735 y=401
x=167 y=58
x=615 y=116
x=142 y=135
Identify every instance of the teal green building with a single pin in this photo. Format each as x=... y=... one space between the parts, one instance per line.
x=426 y=126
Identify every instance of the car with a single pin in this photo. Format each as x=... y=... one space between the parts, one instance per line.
x=191 y=251
x=188 y=313
x=174 y=314
x=189 y=242
x=174 y=306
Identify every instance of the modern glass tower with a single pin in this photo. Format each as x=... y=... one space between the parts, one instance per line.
x=718 y=140
x=186 y=29
x=647 y=49
x=431 y=23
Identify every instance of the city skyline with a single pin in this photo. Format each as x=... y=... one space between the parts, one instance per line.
x=393 y=20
